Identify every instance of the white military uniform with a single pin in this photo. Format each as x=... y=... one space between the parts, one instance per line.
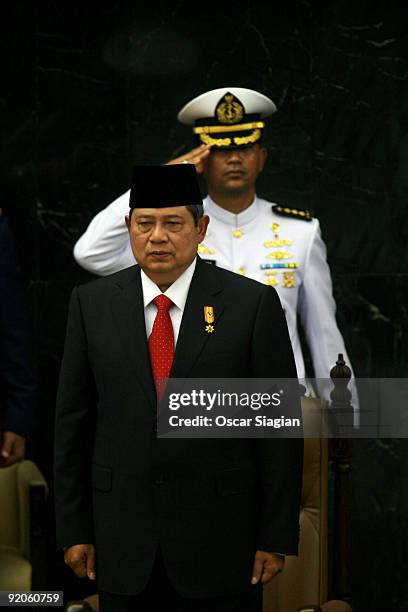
x=285 y=252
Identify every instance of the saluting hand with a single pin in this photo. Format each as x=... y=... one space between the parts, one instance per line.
x=81 y=559
x=266 y=566
x=195 y=156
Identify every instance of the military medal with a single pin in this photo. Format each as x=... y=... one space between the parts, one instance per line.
x=288 y=276
x=288 y=280
x=271 y=279
x=209 y=319
x=274 y=266
x=276 y=242
x=279 y=255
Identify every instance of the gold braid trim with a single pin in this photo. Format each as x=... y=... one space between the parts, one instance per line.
x=215 y=142
x=220 y=129
x=226 y=142
x=242 y=140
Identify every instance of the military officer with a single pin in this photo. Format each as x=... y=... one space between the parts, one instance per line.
x=271 y=243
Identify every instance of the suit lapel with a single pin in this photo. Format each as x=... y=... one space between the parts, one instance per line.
x=128 y=313
x=204 y=291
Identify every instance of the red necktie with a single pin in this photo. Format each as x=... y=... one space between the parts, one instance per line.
x=161 y=343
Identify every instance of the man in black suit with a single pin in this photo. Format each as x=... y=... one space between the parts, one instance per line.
x=165 y=524
x=17 y=385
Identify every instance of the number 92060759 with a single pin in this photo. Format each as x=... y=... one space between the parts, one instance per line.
x=31 y=598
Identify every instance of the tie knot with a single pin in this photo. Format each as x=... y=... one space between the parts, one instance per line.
x=163 y=302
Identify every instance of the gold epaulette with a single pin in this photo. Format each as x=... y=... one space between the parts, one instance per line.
x=295 y=213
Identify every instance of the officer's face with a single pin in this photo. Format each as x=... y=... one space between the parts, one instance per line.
x=164 y=241
x=234 y=170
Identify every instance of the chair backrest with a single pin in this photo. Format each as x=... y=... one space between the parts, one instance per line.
x=304 y=579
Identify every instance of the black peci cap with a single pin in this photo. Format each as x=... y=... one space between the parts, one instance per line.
x=164 y=186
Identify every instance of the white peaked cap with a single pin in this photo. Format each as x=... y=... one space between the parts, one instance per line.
x=204 y=105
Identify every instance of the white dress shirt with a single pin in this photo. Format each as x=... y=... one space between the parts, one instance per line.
x=177 y=293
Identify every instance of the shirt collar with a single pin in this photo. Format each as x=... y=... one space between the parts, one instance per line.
x=229 y=218
x=177 y=292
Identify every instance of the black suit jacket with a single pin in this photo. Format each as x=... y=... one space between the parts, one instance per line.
x=209 y=503
x=17 y=382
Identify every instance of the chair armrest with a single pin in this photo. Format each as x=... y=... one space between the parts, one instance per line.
x=32 y=492
x=38 y=536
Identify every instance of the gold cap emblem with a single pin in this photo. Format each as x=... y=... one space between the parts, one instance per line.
x=229 y=109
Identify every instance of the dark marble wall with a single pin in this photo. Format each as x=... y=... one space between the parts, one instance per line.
x=90 y=90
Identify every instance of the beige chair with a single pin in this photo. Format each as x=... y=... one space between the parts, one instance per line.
x=23 y=492
x=303 y=584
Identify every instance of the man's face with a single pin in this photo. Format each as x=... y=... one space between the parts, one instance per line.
x=230 y=171
x=164 y=241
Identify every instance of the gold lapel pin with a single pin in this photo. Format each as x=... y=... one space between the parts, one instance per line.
x=209 y=319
